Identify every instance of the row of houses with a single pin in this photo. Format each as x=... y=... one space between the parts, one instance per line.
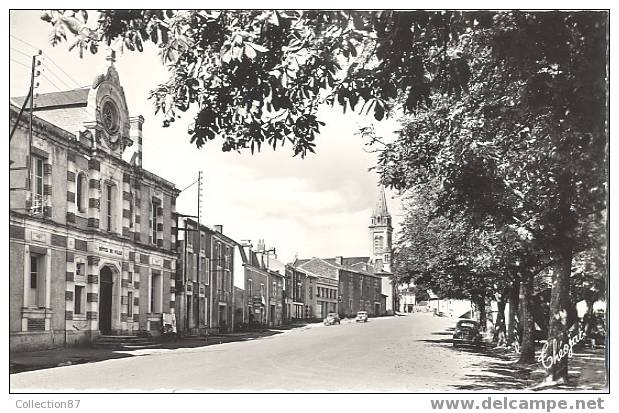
x=227 y=285
x=97 y=247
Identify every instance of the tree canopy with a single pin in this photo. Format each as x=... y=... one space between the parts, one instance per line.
x=504 y=120
x=257 y=77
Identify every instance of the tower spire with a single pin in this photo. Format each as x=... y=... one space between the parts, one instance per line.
x=380 y=210
x=380 y=234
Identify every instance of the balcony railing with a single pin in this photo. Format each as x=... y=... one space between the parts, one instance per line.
x=36 y=204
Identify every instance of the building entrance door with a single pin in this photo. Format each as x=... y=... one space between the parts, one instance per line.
x=187 y=313
x=196 y=311
x=105 y=300
x=222 y=319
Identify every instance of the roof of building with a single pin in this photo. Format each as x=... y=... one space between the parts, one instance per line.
x=346 y=261
x=357 y=264
x=320 y=267
x=210 y=230
x=242 y=252
x=74 y=97
x=329 y=267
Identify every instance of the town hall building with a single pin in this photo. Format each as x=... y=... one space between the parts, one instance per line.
x=92 y=246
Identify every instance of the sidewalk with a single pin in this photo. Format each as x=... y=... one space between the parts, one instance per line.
x=45 y=359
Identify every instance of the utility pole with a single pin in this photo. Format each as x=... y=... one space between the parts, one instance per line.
x=199 y=258
x=34 y=73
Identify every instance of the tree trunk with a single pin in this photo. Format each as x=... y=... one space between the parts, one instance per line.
x=560 y=309
x=480 y=302
x=560 y=302
x=527 y=355
x=499 y=331
x=588 y=318
x=513 y=313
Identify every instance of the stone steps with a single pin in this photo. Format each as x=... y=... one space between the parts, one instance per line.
x=124 y=342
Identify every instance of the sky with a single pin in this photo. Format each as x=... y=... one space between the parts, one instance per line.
x=319 y=206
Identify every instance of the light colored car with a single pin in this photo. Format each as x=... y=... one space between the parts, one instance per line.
x=362 y=317
x=332 y=318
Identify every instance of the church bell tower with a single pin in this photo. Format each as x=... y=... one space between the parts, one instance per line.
x=381 y=234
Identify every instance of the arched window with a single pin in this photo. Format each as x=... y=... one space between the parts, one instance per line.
x=80 y=192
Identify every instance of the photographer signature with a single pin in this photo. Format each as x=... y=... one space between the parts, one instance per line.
x=559 y=351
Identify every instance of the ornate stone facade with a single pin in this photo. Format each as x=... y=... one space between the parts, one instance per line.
x=91 y=243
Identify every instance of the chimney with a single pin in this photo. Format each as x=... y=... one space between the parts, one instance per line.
x=260 y=247
x=247 y=246
x=136 y=136
x=339 y=259
x=219 y=228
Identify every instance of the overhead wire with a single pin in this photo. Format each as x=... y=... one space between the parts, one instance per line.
x=60 y=68
x=49 y=69
x=20 y=52
x=24 y=42
x=20 y=63
x=47 y=57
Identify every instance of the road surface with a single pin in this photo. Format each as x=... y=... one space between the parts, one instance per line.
x=404 y=353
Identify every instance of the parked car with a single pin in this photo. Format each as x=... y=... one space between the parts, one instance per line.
x=332 y=318
x=362 y=317
x=468 y=332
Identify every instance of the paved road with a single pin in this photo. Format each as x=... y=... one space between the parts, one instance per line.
x=407 y=353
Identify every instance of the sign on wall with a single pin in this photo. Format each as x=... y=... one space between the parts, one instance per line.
x=109 y=250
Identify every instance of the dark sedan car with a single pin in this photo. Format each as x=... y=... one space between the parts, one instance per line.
x=467 y=333
x=332 y=318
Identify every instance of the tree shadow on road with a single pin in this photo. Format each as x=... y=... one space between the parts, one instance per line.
x=502 y=376
x=499 y=371
x=484 y=350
